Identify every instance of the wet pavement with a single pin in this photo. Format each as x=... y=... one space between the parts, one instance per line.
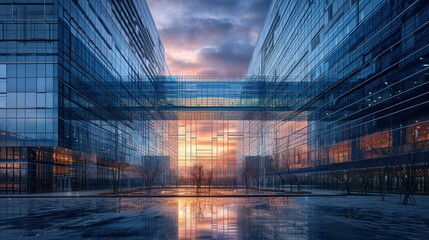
x=206 y=192
x=341 y=217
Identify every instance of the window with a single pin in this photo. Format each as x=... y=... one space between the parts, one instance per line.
x=2 y=100
x=315 y=41
x=2 y=85
x=2 y=71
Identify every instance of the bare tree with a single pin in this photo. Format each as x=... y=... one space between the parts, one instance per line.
x=282 y=163
x=381 y=173
x=287 y=167
x=365 y=176
x=116 y=174
x=248 y=172
x=407 y=163
x=197 y=175
x=245 y=176
x=150 y=171
x=209 y=177
x=290 y=176
x=382 y=170
x=279 y=165
x=344 y=176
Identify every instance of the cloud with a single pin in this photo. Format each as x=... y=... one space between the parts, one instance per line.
x=182 y=64
x=212 y=6
x=253 y=12
x=229 y=59
x=226 y=54
x=193 y=32
x=208 y=37
x=197 y=7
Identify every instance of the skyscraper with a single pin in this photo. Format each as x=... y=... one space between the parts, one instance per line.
x=335 y=89
x=69 y=73
x=360 y=93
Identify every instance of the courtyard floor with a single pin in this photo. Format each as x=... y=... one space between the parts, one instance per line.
x=264 y=217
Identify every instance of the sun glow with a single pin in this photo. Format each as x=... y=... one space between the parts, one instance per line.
x=210 y=143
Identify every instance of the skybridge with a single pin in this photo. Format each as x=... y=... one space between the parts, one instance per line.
x=215 y=98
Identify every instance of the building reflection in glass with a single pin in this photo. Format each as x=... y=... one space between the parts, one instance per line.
x=210 y=218
x=241 y=218
x=207 y=218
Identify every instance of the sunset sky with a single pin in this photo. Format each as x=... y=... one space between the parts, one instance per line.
x=208 y=37
x=212 y=143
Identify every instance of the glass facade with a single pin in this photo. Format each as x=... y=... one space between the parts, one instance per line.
x=64 y=67
x=86 y=97
x=361 y=71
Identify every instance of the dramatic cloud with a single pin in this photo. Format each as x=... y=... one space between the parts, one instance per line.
x=199 y=31
x=209 y=37
x=228 y=59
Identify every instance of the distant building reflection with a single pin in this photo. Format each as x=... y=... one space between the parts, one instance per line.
x=238 y=219
x=207 y=218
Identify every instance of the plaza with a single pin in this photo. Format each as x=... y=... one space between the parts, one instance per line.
x=334 y=100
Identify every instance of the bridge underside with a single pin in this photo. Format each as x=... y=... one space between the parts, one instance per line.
x=209 y=98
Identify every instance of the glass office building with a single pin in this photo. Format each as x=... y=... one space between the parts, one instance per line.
x=69 y=73
x=361 y=73
x=334 y=88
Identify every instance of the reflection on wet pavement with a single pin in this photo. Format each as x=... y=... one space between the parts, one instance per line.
x=191 y=191
x=213 y=218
